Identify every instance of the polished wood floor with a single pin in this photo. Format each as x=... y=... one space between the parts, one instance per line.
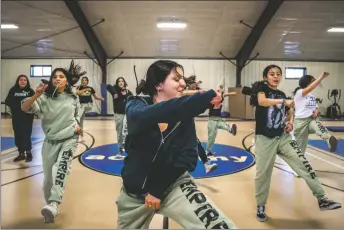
x=89 y=200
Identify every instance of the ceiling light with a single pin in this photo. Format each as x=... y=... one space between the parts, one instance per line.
x=42 y=30
x=291 y=19
x=171 y=25
x=336 y=30
x=8 y=26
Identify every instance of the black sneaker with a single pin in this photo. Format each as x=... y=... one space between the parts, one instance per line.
x=20 y=157
x=333 y=143
x=326 y=204
x=234 y=129
x=261 y=216
x=28 y=156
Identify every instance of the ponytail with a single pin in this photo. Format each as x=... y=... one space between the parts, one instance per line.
x=256 y=87
x=297 y=88
x=141 y=88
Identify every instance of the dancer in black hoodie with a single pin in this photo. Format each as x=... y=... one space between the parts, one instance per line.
x=120 y=96
x=162 y=150
x=21 y=121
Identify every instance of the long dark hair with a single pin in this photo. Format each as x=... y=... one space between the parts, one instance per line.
x=304 y=81
x=86 y=79
x=267 y=69
x=117 y=86
x=16 y=85
x=51 y=90
x=156 y=74
x=73 y=74
x=257 y=86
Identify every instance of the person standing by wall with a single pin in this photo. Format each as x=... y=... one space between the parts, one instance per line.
x=21 y=121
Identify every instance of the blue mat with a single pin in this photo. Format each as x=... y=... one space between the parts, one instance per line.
x=229 y=159
x=8 y=142
x=335 y=128
x=320 y=144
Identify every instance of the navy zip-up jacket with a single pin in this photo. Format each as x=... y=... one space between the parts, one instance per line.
x=156 y=159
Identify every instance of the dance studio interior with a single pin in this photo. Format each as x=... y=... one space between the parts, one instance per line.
x=172 y=114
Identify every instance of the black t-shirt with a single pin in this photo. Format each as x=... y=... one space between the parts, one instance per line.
x=15 y=97
x=270 y=120
x=86 y=97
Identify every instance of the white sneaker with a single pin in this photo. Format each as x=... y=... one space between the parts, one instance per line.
x=210 y=167
x=49 y=212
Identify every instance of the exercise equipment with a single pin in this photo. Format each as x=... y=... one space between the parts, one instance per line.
x=333 y=111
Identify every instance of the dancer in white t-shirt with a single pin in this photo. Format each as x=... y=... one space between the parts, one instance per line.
x=306 y=114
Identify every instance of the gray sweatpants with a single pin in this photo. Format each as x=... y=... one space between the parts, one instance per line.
x=215 y=123
x=125 y=129
x=184 y=203
x=57 y=159
x=119 y=119
x=288 y=150
x=305 y=126
x=84 y=108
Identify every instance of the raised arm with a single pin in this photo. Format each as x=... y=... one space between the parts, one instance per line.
x=81 y=91
x=229 y=94
x=111 y=89
x=173 y=110
x=314 y=84
x=26 y=105
x=267 y=102
x=191 y=92
x=98 y=98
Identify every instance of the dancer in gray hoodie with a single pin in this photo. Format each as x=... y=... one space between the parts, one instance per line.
x=57 y=106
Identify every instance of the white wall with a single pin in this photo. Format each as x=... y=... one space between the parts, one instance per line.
x=254 y=71
x=211 y=72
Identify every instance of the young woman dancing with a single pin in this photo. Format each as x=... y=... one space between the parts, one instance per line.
x=272 y=138
x=58 y=107
x=120 y=95
x=192 y=87
x=162 y=150
x=21 y=122
x=306 y=114
x=216 y=121
x=85 y=94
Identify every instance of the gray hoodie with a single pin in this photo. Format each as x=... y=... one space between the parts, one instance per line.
x=59 y=115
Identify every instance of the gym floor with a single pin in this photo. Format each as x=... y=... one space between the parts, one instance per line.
x=89 y=200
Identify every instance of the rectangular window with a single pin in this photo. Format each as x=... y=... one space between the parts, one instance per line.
x=295 y=72
x=40 y=70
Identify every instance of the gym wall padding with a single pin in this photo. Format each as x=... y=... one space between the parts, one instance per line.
x=335 y=128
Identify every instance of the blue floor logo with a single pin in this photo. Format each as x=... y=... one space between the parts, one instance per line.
x=229 y=160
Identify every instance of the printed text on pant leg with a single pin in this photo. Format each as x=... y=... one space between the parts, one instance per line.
x=303 y=159
x=321 y=127
x=62 y=168
x=209 y=213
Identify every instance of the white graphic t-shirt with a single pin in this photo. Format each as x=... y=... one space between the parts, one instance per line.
x=304 y=106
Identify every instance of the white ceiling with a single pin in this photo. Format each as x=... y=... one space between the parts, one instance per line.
x=297 y=31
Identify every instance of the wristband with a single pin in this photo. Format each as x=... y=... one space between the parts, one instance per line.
x=283 y=101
